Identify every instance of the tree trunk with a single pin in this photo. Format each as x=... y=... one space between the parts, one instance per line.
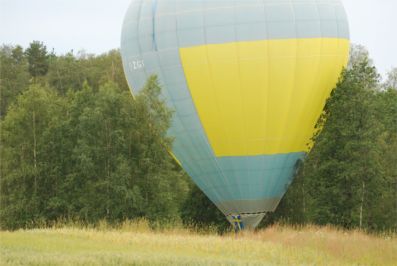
x=108 y=158
x=304 y=200
x=361 y=205
x=34 y=152
x=395 y=197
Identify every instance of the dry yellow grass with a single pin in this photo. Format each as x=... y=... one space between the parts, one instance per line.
x=136 y=244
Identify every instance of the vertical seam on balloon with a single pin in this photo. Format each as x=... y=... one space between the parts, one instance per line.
x=156 y=54
x=204 y=171
x=236 y=44
x=267 y=93
x=289 y=93
x=298 y=140
x=125 y=62
x=191 y=161
x=295 y=78
x=326 y=92
x=185 y=131
x=298 y=42
x=296 y=69
x=347 y=24
x=206 y=141
x=154 y=10
x=205 y=181
x=137 y=27
x=216 y=102
x=321 y=47
x=337 y=24
x=139 y=53
x=318 y=68
x=316 y=79
x=321 y=100
x=171 y=100
x=138 y=37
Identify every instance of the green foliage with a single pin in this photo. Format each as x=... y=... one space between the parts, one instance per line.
x=25 y=156
x=76 y=146
x=69 y=72
x=38 y=59
x=14 y=77
x=199 y=211
x=349 y=178
x=78 y=152
x=341 y=166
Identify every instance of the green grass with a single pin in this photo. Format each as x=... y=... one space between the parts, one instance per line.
x=139 y=245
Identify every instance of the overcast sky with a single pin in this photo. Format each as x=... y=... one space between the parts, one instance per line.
x=95 y=25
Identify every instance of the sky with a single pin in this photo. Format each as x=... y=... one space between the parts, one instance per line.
x=95 y=25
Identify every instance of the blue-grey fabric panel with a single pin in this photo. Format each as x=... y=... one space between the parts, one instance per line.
x=249 y=206
x=185 y=23
x=255 y=177
x=153 y=33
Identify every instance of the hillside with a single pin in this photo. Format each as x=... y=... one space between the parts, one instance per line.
x=141 y=246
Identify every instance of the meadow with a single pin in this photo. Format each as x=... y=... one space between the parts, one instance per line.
x=137 y=244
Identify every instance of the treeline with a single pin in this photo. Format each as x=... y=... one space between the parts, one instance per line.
x=75 y=145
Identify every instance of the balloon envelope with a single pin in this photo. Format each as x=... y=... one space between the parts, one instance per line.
x=248 y=80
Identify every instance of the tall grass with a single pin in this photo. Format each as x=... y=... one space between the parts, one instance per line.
x=142 y=243
x=136 y=225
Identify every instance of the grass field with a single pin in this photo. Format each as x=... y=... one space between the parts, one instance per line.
x=141 y=246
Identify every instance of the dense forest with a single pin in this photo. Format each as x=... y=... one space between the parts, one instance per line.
x=75 y=145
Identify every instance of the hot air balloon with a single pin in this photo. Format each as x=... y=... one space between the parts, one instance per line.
x=247 y=79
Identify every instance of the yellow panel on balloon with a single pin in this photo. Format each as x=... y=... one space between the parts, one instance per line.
x=262 y=97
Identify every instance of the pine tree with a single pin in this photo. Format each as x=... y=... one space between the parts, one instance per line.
x=38 y=59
